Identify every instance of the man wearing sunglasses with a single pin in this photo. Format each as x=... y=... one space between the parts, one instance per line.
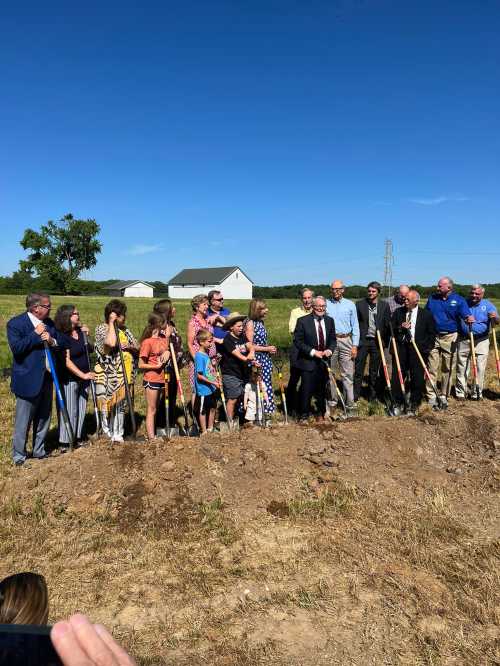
x=217 y=314
x=31 y=381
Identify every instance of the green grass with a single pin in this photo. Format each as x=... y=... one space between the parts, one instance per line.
x=91 y=310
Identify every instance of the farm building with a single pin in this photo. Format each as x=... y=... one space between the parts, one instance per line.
x=230 y=280
x=131 y=288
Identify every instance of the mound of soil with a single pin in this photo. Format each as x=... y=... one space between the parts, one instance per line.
x=367 y=541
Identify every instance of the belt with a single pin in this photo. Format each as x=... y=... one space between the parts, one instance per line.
x=343 y=335
x=441 y=333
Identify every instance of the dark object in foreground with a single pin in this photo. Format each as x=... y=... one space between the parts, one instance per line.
x=25 y=644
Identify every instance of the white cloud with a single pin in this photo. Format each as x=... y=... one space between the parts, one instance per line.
x=435 y=201
x=137 y=250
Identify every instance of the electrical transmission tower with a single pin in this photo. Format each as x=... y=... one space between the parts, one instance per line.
x=388 y=264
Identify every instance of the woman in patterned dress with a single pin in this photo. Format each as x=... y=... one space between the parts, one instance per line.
x=256 y=333
x=200 y=320
x=110 y=382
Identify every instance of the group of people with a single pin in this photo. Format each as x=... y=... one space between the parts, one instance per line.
x=341 y=333
x=229 y=353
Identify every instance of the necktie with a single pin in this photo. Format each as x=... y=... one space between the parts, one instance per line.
x=321 y=336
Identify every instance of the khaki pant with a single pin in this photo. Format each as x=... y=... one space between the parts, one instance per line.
x=464 y=365
x=341 y=357
x=442 y=354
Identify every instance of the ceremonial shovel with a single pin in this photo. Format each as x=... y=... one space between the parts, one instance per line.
x=392 y=408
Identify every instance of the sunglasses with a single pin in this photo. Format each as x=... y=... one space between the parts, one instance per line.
x=75 y=313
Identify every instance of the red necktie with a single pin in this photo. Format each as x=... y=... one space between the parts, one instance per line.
x=321 y=337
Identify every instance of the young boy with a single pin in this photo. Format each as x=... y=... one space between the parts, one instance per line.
x=205 y=383
x=236 y=354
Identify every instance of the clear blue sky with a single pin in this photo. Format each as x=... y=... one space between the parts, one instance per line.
x=288 y=137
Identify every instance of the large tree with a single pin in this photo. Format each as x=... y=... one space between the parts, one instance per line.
x=60 y=251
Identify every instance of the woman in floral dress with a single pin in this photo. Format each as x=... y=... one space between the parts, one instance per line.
x=256 y=333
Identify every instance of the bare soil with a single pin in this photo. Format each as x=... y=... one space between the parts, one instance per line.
x=371 y=541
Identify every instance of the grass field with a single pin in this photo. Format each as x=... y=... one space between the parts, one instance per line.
x=91 y=310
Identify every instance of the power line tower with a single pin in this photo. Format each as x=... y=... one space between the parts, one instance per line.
x=388 y=264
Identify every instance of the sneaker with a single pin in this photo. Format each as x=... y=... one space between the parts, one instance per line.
x=432 y=401
x=444 y=400
x=161 y=432
x=118 y=439
x=460 y=398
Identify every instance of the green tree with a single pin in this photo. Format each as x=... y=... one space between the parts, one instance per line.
x=60 y=251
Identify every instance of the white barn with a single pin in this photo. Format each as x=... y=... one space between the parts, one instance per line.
x=131 y=288
x=230 y=280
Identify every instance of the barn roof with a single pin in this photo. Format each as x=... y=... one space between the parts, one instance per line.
x=126 y=283
x=203 y=276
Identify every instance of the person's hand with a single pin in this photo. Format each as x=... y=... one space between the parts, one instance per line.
x=40 y=328
x=85 y=329
x=271 y=349
x=406 y=324
x=327 y=353
x=354 y=352
x=167 y=331
x=46 y=337
x=163 y=358
x=491 y=315
x=80 y=643
x=91 y=376
x=112 y=318
x=470 y=319
x=318 y=354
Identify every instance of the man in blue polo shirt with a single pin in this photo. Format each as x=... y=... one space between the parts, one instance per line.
x=485 y=316
x=449 y=310
x=218 y=313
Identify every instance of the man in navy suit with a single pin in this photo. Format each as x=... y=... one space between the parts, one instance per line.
x=314 y=340
x=31 y=380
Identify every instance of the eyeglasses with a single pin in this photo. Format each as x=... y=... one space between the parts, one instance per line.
x=217 y=299
x=45 y=307
x=319 y=307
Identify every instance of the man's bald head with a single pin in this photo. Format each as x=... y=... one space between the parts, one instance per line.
x=401 y=293
x=412 y=298
x=337 y=290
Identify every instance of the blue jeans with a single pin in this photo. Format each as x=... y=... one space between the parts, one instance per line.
x=32 y=411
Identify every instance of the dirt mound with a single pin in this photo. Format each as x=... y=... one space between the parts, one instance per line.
x=368 y=541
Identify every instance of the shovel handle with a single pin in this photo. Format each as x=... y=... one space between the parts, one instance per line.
x=398 y=364
x=495 y=347
x=382 y=358
x=177 y=375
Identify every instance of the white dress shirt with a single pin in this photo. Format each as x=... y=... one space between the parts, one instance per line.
x=318 y=323
x=413 y=320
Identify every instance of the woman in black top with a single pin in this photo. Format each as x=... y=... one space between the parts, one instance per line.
x=74 y=370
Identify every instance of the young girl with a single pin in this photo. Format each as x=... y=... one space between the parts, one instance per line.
x=153 y=356
x=251 y=398
x=205 y=382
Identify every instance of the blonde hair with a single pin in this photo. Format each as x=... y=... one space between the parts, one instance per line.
x=255 y=308
x=24 y=599
x=196 y=300
x=203 y=334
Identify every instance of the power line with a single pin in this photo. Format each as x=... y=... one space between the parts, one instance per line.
x=388 y=264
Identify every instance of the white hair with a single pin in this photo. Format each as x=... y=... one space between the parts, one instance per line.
x=319 y=298
x=478 y=286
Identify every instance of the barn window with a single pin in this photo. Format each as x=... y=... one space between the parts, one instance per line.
x=237 y=276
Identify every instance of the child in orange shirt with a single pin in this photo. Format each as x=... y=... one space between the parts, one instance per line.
x=153 y=356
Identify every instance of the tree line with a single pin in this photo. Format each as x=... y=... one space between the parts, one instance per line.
x=60 y=251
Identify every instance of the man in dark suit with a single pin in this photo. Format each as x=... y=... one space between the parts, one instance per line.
x=373 y=314
x=314 y=340
x=412 y=322
x=31 y=381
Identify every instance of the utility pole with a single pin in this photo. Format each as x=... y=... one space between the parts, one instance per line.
x=388 y=264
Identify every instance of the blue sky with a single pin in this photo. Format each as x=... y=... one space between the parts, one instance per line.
x=287 y=137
